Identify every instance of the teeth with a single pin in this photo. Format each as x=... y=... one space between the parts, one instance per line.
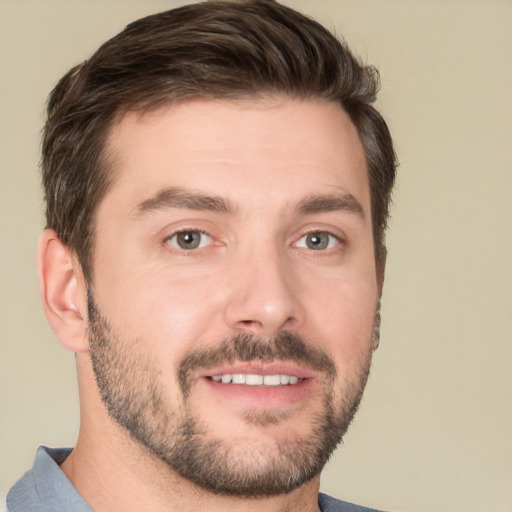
x=256 y=380
x=271 y=380
x=238 y=378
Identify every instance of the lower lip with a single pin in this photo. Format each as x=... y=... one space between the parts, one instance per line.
x=263 y=397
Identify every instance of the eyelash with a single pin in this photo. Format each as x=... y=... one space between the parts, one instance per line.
x=203 y=234
x=332 y=242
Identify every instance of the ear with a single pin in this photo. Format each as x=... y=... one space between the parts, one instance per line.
x=381 y=271
x=376 y=328
x=63 y=292
x=380 y=285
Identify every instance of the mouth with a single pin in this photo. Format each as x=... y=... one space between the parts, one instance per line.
x=263 y=386
x=252 y=379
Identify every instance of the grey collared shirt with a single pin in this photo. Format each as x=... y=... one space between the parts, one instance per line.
x=45 y=488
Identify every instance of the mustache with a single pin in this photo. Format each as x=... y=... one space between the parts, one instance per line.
x=244 y=347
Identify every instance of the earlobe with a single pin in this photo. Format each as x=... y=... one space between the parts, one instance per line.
x=380 y=285
x=376 y=328
x=381 y=270
x=63 y=292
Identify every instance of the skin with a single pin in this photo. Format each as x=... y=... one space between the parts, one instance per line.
x=254 y=273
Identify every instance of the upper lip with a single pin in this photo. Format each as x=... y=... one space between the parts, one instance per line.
x=261 y=368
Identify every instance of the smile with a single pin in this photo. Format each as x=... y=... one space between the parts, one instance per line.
x=258 y=385
x=257 y=380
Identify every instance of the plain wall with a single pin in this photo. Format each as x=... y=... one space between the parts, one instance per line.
x=434 y=432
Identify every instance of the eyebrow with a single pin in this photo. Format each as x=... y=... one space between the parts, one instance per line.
x=175 y=197
x=331 y=203
x=180 y=198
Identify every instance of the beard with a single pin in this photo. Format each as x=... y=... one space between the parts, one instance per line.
x=135 y=399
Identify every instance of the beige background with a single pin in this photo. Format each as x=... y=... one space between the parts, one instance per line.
x=435 y=429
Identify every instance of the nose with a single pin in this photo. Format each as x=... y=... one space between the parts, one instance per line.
x=265 y=295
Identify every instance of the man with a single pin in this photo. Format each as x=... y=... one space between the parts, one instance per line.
x=217 y=186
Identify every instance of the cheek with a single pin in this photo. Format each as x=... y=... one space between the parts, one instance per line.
x=168 y=310
x=343 y=316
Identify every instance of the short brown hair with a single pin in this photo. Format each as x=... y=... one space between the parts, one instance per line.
x=215 y=49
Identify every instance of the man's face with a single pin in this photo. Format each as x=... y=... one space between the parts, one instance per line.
x=234 y=295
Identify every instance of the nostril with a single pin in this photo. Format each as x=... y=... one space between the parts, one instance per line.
x=264 y=328
x=249 y=323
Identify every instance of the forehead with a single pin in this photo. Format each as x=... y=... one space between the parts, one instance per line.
x=231 y=148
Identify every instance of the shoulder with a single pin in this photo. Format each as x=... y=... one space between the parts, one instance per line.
x=329 y=504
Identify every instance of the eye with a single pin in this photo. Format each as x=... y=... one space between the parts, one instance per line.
x=318 y=241
x=189 y=240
